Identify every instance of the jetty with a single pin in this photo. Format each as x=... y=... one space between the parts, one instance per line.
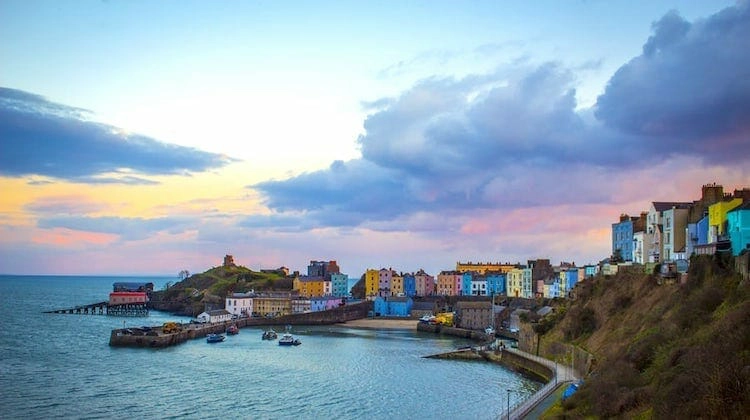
x=104 y=308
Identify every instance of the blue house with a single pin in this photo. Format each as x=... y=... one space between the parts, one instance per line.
x=496 y=284
x=571 y=278
x=466 y=279
x=738 y=228
x=622 y=237
x=392 y=306
x=339 y=284
x=410 y=285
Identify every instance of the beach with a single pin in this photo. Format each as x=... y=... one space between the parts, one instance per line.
x=382 y=324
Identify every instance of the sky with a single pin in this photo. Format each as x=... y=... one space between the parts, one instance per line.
x=148 y=137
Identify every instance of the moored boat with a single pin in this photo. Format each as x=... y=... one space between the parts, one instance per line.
x=270 y=335
x=288 y=339
x=233 y=329
x=215 y=338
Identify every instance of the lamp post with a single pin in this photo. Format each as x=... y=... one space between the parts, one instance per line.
x=508 y=406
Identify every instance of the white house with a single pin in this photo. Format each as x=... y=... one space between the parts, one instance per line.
x=240 y=304
x=218 y=315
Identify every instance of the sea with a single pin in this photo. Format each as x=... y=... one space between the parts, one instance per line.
x=61 y=366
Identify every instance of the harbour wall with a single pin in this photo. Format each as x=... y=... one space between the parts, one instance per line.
x=453 y=331
x=513 y=361
x=156 y=338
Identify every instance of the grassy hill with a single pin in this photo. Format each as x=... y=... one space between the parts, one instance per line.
x=191 y=295
x=662 y=351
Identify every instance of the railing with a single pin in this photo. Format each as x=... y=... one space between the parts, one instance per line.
x=562 y=375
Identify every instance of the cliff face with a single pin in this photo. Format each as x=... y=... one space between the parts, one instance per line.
x=207 y=290
x=661 y=350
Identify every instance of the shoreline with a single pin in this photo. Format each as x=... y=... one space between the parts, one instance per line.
x=381 y=324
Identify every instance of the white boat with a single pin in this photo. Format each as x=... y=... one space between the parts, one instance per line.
x=288 y=339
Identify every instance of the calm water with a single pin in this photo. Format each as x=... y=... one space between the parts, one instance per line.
x=56 y=365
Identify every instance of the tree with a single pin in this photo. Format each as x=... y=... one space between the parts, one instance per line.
x=183 y=274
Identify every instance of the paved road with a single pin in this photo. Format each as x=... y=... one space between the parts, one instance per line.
x=545 y=396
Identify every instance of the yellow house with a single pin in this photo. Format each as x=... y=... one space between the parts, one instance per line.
x=372 y=282
x=515 y=283
x=717 y=218
x=397 y=284
x=273 y=306
x=309 y=286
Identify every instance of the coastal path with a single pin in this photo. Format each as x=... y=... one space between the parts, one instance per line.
x=562 y=375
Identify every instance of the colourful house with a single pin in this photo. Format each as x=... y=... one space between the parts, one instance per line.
x=496 y=283
x=479 y=285
x=339 y=284
x=425 y=283
x=324 y=303
x=309 y=286
x=392 y=306
x=372 y=279
x=738 y=228
x=514 y=280
x=410 y=285
x=397 y=285
x=384 y=281
x=717 y=218
x=466 y=283
x=448 y=283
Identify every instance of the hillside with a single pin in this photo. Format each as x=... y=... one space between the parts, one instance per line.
x=662 y=351
x=192 y=295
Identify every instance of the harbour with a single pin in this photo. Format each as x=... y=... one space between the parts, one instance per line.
x=67 y=369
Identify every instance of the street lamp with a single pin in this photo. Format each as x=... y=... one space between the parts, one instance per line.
x=508 y=406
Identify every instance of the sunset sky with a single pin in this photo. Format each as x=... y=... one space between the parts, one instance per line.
x=147 y=137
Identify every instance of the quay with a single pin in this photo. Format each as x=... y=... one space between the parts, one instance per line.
x=156 y=337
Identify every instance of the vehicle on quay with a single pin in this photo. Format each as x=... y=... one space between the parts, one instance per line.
x=215 y=338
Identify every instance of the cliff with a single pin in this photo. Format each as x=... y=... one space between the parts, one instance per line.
x=656 y=350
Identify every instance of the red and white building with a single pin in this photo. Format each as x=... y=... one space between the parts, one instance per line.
x=127 y=298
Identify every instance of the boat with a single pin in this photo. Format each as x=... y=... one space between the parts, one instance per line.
x=215 y=338
x=232 y=330
x=288 y=339
x=270 y=335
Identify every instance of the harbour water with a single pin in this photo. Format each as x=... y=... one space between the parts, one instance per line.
x=56 y=365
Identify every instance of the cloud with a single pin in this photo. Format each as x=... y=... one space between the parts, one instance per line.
x=39 y=137
x=133 y=228
x=64 y=204
x=514 y=138
x=688 y=92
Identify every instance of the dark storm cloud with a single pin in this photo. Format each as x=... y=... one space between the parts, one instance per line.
x=39 y=137
x=133 y=228
x=515 y=138
x=689 y=91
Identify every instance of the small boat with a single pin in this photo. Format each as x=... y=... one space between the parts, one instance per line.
x=232 y=330
x=288 y=339
x=215 y=338
x=270 y=335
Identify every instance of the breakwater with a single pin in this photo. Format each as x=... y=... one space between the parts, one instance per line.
x=511 y=360
x=156 y=337
x=454 y=331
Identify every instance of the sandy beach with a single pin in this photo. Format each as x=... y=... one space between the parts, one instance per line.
x=382 y=324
